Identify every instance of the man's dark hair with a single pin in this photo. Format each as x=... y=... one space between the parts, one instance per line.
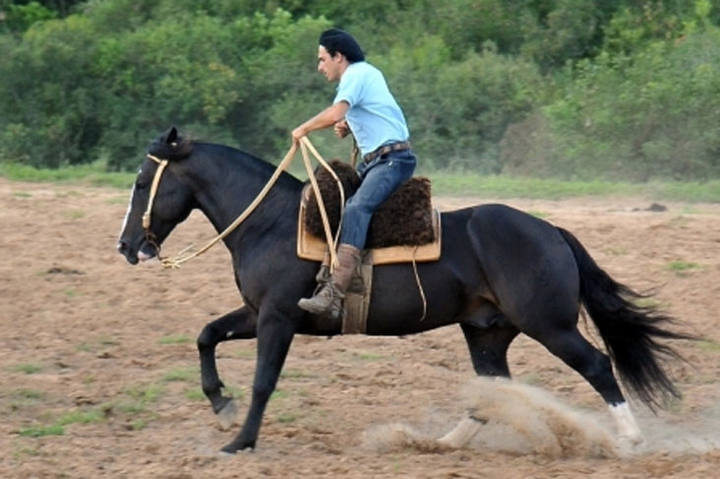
x=339 y=41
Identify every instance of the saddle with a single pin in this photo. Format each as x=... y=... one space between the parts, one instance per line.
x=404 y=228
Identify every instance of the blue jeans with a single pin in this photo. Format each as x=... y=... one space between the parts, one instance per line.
x=380 y=178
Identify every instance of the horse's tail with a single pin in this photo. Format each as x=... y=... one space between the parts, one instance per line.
x=630 y=331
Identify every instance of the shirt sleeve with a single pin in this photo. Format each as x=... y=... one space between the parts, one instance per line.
x=351 y=88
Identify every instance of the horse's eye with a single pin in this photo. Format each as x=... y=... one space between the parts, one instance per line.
x=141 y=184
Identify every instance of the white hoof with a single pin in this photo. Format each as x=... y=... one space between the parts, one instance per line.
x=466 y=429
x=226 y=416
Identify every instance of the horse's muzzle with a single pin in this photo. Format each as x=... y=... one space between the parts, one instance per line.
x=123 y=248
x=144 y=252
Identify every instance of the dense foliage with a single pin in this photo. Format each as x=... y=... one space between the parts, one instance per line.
x=566 y=88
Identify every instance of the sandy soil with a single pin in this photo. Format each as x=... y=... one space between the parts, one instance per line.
x=100 y=373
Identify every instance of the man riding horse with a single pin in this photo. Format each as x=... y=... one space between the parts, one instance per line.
x=364 y=106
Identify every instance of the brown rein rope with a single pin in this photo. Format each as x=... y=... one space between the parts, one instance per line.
x=186 y=254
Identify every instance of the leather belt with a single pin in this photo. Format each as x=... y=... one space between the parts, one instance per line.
x=384 y=150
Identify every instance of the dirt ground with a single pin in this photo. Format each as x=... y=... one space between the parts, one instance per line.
x=100 y=372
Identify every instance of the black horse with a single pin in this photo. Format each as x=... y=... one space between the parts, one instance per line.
x=502 y=272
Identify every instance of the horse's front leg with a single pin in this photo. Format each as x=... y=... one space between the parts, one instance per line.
x=240 y=324
x=275 y=333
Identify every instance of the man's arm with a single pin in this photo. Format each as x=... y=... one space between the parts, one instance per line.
x=325 y=119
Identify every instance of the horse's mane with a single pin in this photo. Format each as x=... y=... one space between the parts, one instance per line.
x=171 y=146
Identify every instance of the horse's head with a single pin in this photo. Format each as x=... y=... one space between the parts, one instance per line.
x=155 y=210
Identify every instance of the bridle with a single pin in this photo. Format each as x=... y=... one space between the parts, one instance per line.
x=149 y=235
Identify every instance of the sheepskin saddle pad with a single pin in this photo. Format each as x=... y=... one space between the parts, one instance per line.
x=405 y=226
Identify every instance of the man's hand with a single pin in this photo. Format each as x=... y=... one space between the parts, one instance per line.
x=341 y=129
x=298 y=133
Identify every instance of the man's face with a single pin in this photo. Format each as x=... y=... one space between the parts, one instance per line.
x=330 y=66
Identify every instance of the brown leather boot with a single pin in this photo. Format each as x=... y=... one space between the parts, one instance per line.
x=329 y=300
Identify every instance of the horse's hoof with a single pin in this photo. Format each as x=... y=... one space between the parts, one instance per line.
x=231 y=450
x=227 y=413
x=466 y=429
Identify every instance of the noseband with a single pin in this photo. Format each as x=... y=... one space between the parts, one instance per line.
x=149 y=235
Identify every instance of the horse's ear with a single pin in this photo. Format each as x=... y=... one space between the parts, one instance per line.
x=172 y=136
x=170 y=145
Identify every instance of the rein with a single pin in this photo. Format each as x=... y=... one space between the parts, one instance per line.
x=186 y=254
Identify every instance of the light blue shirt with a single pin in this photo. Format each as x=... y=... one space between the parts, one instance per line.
x=374 y=116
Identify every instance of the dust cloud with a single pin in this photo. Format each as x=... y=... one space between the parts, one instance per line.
x=523 y=419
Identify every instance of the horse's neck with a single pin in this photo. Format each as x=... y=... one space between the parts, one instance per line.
x=231 y=184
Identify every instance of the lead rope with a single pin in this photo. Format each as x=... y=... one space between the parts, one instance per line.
x=185 y=255
x=420 y=286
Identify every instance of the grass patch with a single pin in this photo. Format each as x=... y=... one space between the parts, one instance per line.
x=69 y=194
x=369 y=356
x=186 y=374
x=464 y=184
x=117 y=200
x=24 y=398
x=195 y=394
x=21 y=452
x=125 y=407
x=95 y=174
x=648 y=302
x=682 y=267
x=532 y=379
x=175 y=339
x=97 y=344
x=42 y=431
x=136 y=401
x=27 y=368
x=286 y=418
x=234 y=392
x=80 y=417
x=138 y=424
x=147 y=394
x=245 y=354
x=29 y=394
x=74 y=214
x=444 y=183
x=70 y=293
x=538 y=214
x=709 y=345
x=22 y=194
x=279 y=394
x=457 y=184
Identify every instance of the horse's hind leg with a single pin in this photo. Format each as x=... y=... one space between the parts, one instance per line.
x=570 y=346
x=488 y=348
x=488 y=351
x=239 y=324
